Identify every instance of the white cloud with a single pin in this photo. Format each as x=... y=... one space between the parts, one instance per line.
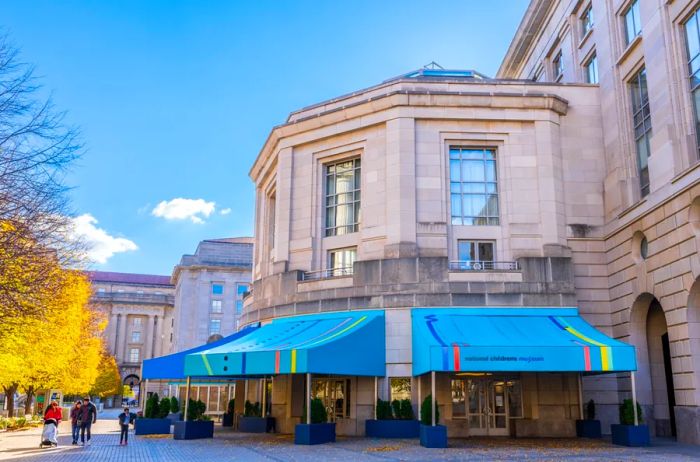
x=225 y=211
x=195 y=210
x=101 y=246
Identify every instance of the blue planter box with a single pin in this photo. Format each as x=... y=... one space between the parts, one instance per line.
x=252 y=425
x=194 y=429
x=588 y=429
x=152 y=426
x=174 y=417
x=314 y=433
x=392 y=428
x=433 y=437
x=630 y=435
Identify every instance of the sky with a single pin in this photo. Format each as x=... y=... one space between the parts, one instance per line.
x=175 y=99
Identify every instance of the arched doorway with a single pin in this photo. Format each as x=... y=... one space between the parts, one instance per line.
x=134 y=383
x=656 y=390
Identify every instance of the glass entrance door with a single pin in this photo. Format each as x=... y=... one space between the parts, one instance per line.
x=487 y=407
x=333 y=393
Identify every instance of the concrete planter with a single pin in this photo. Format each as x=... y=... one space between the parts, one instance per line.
x=392 y=428
x=433 y=437
x=630 y=435
x=314 y=433
x=152 y=426
x=588 y=429
x=252 y=424
x=194 y=429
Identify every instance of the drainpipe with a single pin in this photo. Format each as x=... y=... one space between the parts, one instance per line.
x=634 y=399
x=432 y=390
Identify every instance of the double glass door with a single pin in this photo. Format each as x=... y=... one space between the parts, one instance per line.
x=487 y=403
x=333 y=393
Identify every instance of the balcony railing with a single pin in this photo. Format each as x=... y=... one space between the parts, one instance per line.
x=146 y=297
x=326 y=273
x=477 y=265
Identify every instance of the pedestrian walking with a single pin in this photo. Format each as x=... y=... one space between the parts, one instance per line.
x=88 y=416
x=52 y=417
x=75 y=414
x=126 y=418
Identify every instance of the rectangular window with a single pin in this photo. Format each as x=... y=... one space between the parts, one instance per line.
x=214 y=326
x=692 y=34
x=216 y=306
x=135 y=336
x=342 y=197
x=473 y=187
x=586 y=21
x=241 y=289
x=558 y=65
x=239 y=306
x=137 y=321
x=459 y=407
x=134 y=355
x=101 y=290
x=475 y=255
x=340 y=261
x=217 y=289
x=400 y=388
x=633 y=24
x=641 y=119
x=592 y=69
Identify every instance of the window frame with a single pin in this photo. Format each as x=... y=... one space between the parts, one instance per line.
x=220 y=308
x=341 y=270
x=633 y=8
x=391 y=388
x=558 y=65
x=643 y=113
x=592 y=60
x=138 y=321
x=462 y=219
x=586 y=20
x=135 y=336
x=217 y=284
x=332 y=205
x=213 y=321
x=131 y=355
x=694 y=88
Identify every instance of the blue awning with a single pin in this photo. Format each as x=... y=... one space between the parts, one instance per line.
x=346 y=343
x=172 y=366
x=513 y=339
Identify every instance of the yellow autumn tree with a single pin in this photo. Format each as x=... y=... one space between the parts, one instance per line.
x=108 y=381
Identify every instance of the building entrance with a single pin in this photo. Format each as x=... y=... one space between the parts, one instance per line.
x=487 y=403
x=334 y=393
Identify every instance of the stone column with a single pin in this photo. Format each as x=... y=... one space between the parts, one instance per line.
x=117 y=351
x=150 y=333
x=124 y=328
x=113 y=333
x=159 y=336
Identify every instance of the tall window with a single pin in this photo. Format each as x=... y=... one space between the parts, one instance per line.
x=475 y=254
x=592 y=69
x=558 y=65
x=340 y=261
x=134 y=355
x=217 y=289
x=239 y=306
x=633 y=24
x=216 y=306
x=214 y=326
x=135 y=336
x=400 y=388
x=692 y=33
x=459 y=396
x=586 y=20
x=342 y=197
x=137 y=322
x=473 y=186
x=241 y=289
x=641 y=117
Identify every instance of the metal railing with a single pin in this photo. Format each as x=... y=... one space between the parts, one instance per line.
x=326 y=273
x=477 y=265
x=146 y=297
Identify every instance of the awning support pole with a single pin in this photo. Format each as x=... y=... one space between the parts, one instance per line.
x=187 y=397
x=418 y=378
x=308 y=399
x=634 y=400
x=264 y=395
x=245 y=391
x=376 y=395
x=432 y=396
x=580 y=396
x=144 y=395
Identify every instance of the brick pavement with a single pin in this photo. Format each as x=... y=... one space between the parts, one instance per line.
x=229 y=446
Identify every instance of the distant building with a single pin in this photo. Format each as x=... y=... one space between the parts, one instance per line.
x=209 y=290
x=139 y=311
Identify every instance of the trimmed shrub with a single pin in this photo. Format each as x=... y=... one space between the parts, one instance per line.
x=406 y=410
x=383 y=410
x=252 y=410
x=627 y=412
x=196 y=410
x=426 y=411
x=152 y=407
x=231 y=406
x=318 y=412
x=164 y=408
x=174 y=405
x=590 y=410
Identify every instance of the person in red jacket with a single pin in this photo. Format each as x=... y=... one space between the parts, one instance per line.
x=54 y=412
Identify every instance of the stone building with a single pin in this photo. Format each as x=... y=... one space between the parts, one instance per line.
x=209 y=290
x=139 y=312
x=636 y=266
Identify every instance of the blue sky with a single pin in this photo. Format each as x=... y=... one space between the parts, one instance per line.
x=175 y=99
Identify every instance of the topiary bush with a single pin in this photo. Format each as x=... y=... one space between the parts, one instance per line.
x=174 y=405
x=590 y=410
x=231 y=406
x=406 y=410
x=426 y=411
x=383 y=410
x=252 y=410
x=152 y=407
x=396 y=408
x=164 y=407
x=196 y=410
x=627 y=412
x=318 y=412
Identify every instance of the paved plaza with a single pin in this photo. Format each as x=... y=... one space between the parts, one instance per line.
x=228 y=445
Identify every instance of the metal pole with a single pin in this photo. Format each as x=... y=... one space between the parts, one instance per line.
x=580 y=396
x=418 y=378
x=308 y=399
x=634 y=400
x=245 y=392
x=187 y=397
x=208 y=395
x=264 y=393
x=218 y=398
x=376 y=395
x=144 y=394
x=432 y=391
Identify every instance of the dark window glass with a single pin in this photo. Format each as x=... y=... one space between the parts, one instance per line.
x=641 y=119
x=633 y=24
x=692 y=34
x=592 y=70
x=586 y=21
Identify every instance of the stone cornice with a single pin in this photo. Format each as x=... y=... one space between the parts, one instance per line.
x=479 y=98
x=210 y=268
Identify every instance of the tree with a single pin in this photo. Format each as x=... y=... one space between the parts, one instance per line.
x=108 y=382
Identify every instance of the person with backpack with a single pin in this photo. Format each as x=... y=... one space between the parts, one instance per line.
x=88 y=416
x=75 y=422
x=125 y=418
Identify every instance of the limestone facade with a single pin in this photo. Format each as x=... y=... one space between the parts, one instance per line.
x=636 y=272
x=139 y=312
